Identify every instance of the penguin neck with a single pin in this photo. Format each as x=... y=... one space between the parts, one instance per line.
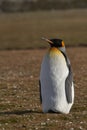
x=54 y=50
x=62 y=49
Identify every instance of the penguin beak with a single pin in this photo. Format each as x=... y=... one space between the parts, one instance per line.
x=47 y=40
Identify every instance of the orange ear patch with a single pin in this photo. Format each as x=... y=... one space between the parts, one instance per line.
x=63 y=44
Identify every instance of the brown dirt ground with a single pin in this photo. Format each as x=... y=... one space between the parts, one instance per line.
x=20 y=107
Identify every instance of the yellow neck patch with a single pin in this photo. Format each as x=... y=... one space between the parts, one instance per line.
x=54 y=50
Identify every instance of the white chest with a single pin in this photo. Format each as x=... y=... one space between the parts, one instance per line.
x=54 y=68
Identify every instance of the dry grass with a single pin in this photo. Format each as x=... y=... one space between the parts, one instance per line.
x=24 y=30
x=20 y=107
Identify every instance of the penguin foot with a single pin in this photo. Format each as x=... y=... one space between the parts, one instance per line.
x=51 y=111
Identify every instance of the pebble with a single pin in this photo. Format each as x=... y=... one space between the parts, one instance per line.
x=80 y=128
x=48 y=119
x=43 y=123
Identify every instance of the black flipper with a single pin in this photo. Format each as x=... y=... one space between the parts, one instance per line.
x=40 y=92
x=68 y=86
x=69 y=80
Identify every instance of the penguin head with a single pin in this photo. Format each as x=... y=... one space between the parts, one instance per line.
x=58 y=43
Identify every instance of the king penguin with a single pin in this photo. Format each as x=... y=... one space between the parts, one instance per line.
x=56 y=79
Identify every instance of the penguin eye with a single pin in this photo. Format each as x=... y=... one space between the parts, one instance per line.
x=63 y=44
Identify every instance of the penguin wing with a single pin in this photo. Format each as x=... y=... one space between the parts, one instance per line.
x=40 y=91
x=69 y=80
x=68 y=85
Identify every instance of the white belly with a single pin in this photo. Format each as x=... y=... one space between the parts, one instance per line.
x=53 y=75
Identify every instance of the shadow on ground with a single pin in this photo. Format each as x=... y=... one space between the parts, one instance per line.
x=19 y=112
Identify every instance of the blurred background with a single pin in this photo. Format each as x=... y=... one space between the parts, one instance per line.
x=24 y=22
